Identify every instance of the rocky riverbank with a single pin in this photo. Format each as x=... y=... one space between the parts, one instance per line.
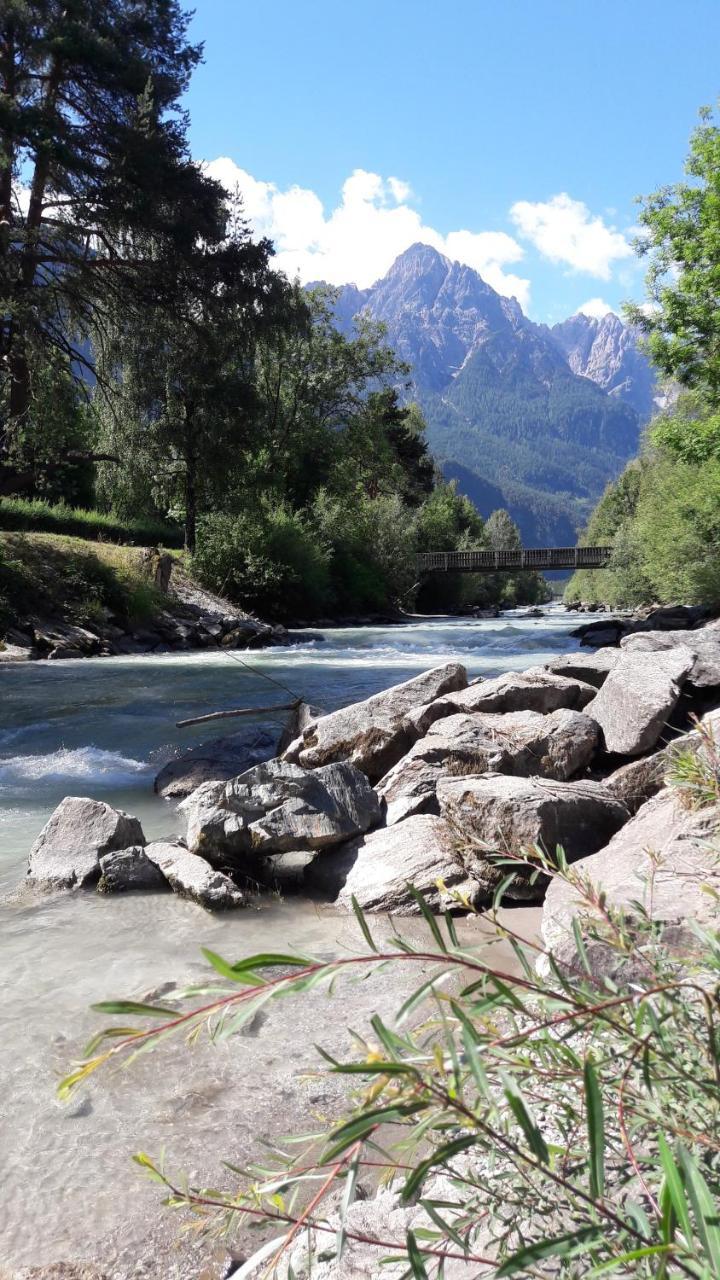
x=427 y=781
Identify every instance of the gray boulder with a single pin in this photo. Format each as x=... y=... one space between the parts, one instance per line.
x=375 y=733
x=215 y=761
x=531 y=690
x=129 y=869
x=704 y=644
x=277 y=807
x=521 y=742
x=66 y=854
x=498 y=815
x=592 y=668
x=665 y=858
x=191 y=877
x=637 y=698
x=377 y=869
x=637 y=782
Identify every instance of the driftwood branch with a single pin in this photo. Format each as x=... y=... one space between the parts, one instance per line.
x=240 y=711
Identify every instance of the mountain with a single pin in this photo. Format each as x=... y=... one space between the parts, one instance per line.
x=606 y=350
x=508 y=416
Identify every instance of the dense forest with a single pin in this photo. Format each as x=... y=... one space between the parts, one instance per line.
x=662 y=516
x=155 y=368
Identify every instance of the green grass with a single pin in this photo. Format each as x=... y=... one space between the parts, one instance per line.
x=71 y=579
x=33 y=515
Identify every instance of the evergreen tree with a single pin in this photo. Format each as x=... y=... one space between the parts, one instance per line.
x=114 y=209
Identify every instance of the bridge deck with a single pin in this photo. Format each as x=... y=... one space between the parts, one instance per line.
x=514 y=561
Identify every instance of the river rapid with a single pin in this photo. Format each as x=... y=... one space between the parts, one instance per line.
x=102 y=728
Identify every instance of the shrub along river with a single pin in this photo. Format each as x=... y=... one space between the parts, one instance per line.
x=102 y=728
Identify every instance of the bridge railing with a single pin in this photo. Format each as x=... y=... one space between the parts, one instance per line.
x=483 y=561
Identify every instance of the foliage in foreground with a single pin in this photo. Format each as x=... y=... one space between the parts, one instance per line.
x=38 y=516
x=575 y=1120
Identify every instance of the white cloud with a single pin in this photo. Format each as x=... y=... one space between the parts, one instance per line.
x=362 y=236
x=565 y=231
x=596 y=308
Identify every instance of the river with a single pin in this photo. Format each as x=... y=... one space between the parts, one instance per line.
x=102 y=728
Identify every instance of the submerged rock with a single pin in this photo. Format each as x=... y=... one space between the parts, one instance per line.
x=637 y=698
x=378 y=869
x=67 y=853
x=193 y=877
x=375 y=733
x=215 y=761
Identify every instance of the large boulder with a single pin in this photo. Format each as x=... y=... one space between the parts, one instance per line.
x=378 y=869
x=665 y=858
x=277 y=807
x=592 y=668
x=192 y=877
x=531 y=690
x=704 y=644
x=67 y=853
x=374 y=734
x=215 y=761
x=496 y=815
x=129 y=869
x=637 y=698
x=520 y=742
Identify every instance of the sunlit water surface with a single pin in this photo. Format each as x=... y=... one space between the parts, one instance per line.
x=102 y=728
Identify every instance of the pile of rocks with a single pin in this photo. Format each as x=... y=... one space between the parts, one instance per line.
x=424 y=784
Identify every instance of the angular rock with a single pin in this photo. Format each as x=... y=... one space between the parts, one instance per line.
x=67 y=852
x=531 y=690
x=192 y=877
x=496 y=814
x=297 y=722
x=665 y=857
x=61 y=636
x=215 y=761
x=637 y=698
x=703 y=643
x=377 y=869
x=637 y=782
x=129 y=869
x=277 y=807
x=375 y=733
x=16 y=653
x=523 y=743
x=593 y=668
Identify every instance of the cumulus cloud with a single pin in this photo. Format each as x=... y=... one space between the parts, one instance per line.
x=360 y=238
x=596 y=308
x=565 y=231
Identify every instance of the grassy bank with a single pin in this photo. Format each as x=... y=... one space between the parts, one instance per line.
x=22 y=515
x=72 y=580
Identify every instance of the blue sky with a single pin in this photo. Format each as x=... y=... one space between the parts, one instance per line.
x=513 y=134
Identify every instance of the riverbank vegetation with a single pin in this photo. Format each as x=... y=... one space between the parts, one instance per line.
x=662 y=516
x=518 y=1124
x=154 y=368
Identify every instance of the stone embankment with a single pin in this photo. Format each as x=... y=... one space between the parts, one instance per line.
x=187 y=617
x=426 y=783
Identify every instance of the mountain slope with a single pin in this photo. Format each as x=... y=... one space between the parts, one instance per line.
x=508 y=417
x=606 y=351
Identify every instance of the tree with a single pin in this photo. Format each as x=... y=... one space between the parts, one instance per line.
x=186 y=382
x=115 y=208
x=682 y=241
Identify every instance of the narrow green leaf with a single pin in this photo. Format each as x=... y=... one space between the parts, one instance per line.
x=429 y=917
x=633 y=1256
x=705 y=1210
x=365 y=928
x=133 y=1008
x=673 y=1185
x=561 y=1247
x=596 y=1130
x=362 y=1125
x=517 y=1105
x=439 y=1156
x=415 y=1258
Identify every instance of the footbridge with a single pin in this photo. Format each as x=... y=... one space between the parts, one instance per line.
x=524 y=559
